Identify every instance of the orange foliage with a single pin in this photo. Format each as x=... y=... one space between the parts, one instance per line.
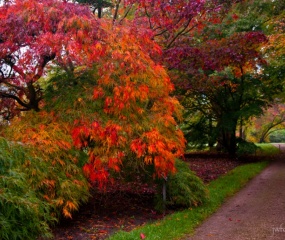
x=135 y=95
x=136 y=119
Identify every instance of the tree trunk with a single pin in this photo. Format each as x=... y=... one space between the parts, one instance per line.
x=99 y=12
x=228 y=137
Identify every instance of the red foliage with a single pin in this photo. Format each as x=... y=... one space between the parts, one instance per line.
x=133 y=90
x=238 y=50
x=36 y=35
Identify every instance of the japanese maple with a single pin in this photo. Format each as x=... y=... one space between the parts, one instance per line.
x=35 y=35
x=136 y=124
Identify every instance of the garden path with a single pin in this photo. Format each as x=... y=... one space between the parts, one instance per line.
x=256 y=212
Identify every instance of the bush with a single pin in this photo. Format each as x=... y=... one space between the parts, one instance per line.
x=23 y=215
x=277 y=137
x=183 y=189
x=36 y=191
x=55 y=171
x=246 y=148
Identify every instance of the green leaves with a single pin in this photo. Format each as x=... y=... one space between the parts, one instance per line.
x=23 y=214
x=184 y=188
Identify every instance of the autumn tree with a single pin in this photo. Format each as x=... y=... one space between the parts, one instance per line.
x=35 y=35
x=272 y=120
x=224 y=75
x=134 y=122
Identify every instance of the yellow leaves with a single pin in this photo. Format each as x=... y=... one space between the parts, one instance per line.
x=48 y=183
x=148 y=159
x=151 y=149
x=77 y=182
x=65 y=145
x=59 y=202
x=34 y=172
x=66 y=213
x=67 y=206
x=275 y=46
x=61 y=162
x=27 y=163
x=98 y=46
x=71 y=206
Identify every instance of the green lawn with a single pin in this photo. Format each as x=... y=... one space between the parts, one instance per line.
x=266 y=149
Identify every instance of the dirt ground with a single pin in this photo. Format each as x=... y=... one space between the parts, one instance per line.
x=256 y=212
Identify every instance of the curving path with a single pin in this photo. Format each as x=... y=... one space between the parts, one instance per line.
x=256 y=212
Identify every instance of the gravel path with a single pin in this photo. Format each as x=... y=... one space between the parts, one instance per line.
x=256 y=212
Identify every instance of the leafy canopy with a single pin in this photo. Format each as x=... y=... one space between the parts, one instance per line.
x=134 y=122
x=38 y=35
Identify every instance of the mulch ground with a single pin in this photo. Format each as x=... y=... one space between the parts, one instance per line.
x=124 y=207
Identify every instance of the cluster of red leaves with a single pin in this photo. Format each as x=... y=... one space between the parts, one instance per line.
x=168 y=19
x=157 y=150
x=105 y=150
x=36 y=36
x=133 y=90
x=240 y=49
x=44 y=28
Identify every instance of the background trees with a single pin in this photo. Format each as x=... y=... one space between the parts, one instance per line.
x=225 y=78
x=271 y=121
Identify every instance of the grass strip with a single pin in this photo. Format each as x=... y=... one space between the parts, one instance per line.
x=177 y=225
x=267 y=149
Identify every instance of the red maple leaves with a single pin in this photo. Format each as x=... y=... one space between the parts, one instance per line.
x=136 y=114
x=38 y=35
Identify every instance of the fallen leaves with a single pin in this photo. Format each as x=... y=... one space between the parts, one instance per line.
x=142 y=236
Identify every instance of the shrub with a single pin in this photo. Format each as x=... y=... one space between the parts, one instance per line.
x=55 y=171
x=37 y=187
x=183 y=189
x=277 y=136
x=246 y=148
x=23 y=215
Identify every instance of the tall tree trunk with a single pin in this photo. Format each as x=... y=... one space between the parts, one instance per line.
x=228 y=137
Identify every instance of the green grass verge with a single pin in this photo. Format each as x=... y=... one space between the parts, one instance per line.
x=266 y=149
x=177 y=225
